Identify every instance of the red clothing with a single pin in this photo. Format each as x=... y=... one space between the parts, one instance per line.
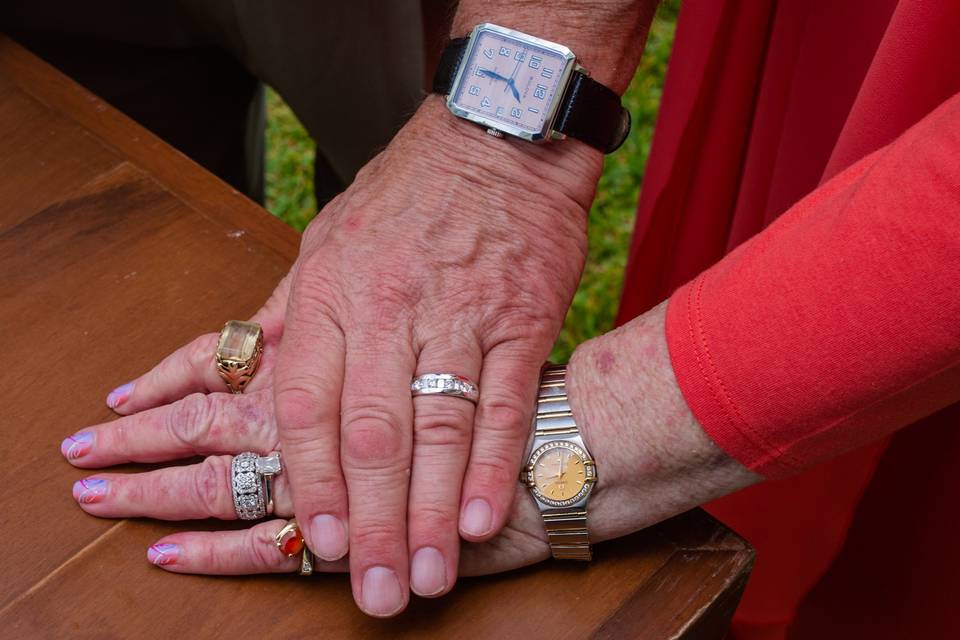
x=840 y=322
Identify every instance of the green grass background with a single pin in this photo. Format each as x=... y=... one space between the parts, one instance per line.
x=289 y=187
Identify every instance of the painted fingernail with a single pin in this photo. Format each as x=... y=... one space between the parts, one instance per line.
x=163 y=553
x=428 y=573
x=381 y=592
x=119 y=395
x=77 y=445
x=329 y=537
x=89 y=490
x=477 y=517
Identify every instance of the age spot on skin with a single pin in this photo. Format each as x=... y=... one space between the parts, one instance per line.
x=605 y=361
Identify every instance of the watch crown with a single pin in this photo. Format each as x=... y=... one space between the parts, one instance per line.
x=493 y=132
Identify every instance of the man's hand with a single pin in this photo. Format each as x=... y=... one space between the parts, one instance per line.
x=453 y=251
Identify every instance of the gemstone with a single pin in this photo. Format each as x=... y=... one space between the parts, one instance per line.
x=269 y=465
x=238 y=341
x=291 y=543
x=246 y=482
x=248 y=502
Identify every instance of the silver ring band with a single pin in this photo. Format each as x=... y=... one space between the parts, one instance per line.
x=446 y=384
x=251 y=481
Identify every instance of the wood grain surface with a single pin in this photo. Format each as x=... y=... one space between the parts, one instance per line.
x=114 y=250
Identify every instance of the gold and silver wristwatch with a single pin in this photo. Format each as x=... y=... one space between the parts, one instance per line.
x=560 y=471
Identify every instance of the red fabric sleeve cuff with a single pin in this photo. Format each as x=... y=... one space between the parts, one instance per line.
x=705 y=391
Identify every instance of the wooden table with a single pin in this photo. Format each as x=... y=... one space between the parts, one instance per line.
x=114 y=250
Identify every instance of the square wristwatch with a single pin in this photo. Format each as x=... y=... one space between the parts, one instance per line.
x=511 y=82
x=520 y=85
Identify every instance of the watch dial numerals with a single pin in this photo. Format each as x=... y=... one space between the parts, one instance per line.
x=512 y=81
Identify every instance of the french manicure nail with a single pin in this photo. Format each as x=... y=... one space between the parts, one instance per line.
x=119 y=395
x=381 y=592
x=329 y=537
x=77 y=445
x=89 y=490
x=163 y=553
x=428 y=573
x=477 y=517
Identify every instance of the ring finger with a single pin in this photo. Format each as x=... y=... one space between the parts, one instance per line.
x=248 y=551
x=442 y=430
x=189 y=492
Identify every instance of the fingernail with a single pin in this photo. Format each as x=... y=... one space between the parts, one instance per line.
x=329 y=537
x=428 y=573
x=381 y=592
x=89 y=490
x=163 y=553
x=77 y=445
x=119 y=395
x=477 y=517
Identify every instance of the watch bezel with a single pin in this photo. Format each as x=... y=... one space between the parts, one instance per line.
x=547 y=132
x=589 y=467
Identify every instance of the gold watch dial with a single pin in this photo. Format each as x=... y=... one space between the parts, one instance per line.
x=559 y=474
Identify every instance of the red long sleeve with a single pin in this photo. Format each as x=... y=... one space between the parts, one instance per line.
x=841 y=321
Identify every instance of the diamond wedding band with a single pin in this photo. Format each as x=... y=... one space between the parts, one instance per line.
x=251 y=477
x=447 y=384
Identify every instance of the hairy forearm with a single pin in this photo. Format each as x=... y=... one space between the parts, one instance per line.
x=607 y=35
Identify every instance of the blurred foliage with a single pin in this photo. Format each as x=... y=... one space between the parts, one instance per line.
x=289 y=190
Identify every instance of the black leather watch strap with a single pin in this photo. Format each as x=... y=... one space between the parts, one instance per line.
x=588 y=111
x=446 y=73
x=592 y=113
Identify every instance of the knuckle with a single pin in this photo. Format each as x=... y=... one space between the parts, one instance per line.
x=212 y=487
x=262 y=549
x=373 y=440
x=299 y=411
x=434 y=519
x=503 y=418
x=497 y=471
x=446 y=426
x=198 y=352
x=376 y=539
x=191 y=419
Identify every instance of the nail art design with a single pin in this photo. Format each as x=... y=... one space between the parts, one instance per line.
x=163 y=553
x=89 y=490
x=119 y=395
x=77 y=445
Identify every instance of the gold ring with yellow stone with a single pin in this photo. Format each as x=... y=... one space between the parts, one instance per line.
x=238 y=353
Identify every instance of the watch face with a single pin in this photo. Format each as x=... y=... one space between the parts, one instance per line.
x=512 y=81
x=560 y=473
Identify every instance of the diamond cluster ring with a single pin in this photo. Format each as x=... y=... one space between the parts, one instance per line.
x=251 y=475
x=447 y=384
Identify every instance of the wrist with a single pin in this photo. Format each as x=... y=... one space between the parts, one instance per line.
x=653 y=458
x=558 y=174
x=606 y=35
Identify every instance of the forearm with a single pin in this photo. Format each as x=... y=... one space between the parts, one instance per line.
x=654 y=459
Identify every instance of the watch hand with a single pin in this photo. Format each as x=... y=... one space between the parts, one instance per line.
x=493 y=74
x=513 y=88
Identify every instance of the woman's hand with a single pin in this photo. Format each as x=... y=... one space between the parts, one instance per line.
x=653 y=460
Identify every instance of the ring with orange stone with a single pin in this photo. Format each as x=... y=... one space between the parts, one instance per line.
x=290 y=542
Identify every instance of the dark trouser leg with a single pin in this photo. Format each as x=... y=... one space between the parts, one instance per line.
x=200 y=99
